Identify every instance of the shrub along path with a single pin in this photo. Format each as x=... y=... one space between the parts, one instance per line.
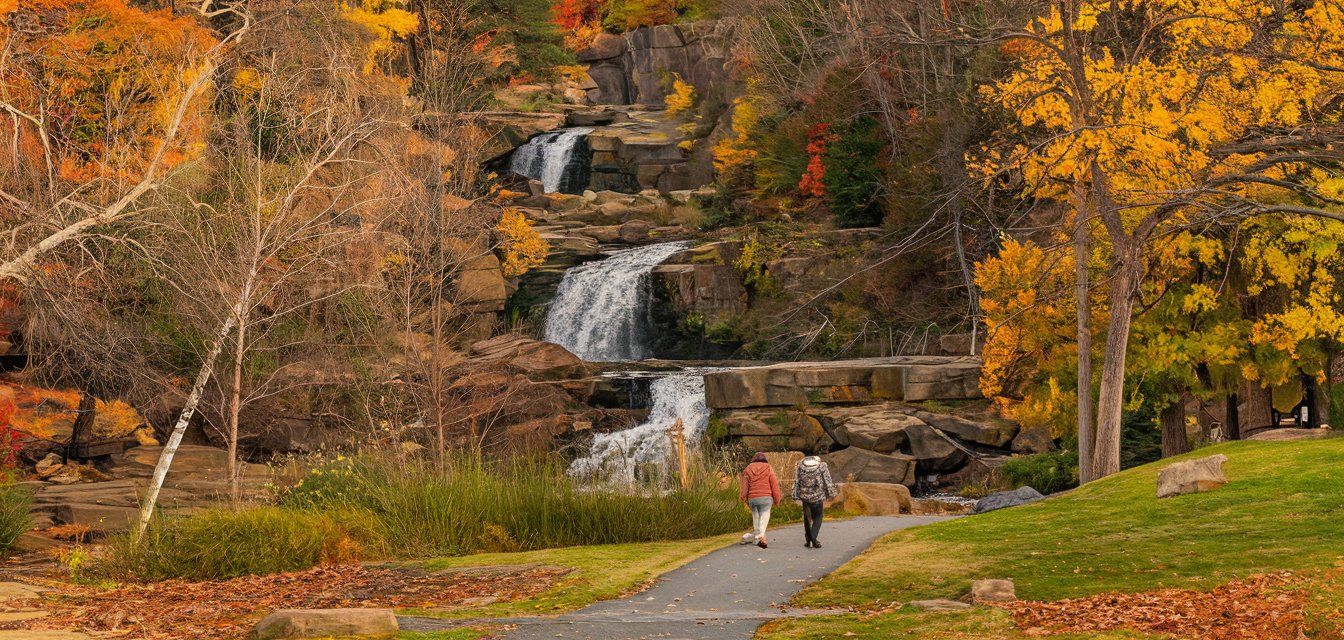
x=726 y=594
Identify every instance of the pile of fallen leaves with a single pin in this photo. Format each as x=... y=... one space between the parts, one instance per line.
x=1261 y=607
x=227 y=609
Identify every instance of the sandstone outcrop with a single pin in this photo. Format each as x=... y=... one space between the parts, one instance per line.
x=949 y=450
x=853 y=464
x=909 y=378
x=537 y=359
x=637 y=67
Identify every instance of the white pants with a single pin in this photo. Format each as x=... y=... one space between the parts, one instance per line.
x=760 y=514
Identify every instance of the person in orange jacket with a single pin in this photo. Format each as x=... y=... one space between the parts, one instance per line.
x=759 y=490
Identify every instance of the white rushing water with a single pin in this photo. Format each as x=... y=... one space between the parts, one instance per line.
x=546 y=157
x=600 y=312
x=618 y=456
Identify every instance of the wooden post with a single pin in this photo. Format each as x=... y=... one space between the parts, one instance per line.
x=679 y=445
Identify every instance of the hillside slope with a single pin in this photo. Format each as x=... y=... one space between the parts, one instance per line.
x=1283 y=509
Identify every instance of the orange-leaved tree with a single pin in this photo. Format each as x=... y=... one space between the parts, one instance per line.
x=104 y=99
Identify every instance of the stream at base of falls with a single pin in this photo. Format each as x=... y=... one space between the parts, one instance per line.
x=601 y=314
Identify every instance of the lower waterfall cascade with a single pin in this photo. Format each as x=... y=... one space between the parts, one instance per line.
x=601 y=314
x=619 y=455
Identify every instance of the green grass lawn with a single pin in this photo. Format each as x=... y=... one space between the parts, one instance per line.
x=1282 y=509
x=979 y=623
x=600 y=572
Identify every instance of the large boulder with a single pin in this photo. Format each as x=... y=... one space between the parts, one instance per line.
x=879 y=429
x=934 y=451
x=858 y=465
x=1005 y=499
x=874 y=498
x=1191 y=476
x=538 y=359
x=996 y=433
x=1031 y=441
x=778 y=430
x=325 y=623
x=1288 y=435
x=995 y=590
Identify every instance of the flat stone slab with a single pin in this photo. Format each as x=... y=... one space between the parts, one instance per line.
x=939 y=605
x=909 y=378
x=325 y=623
x=20 y=615
x=20 y=591
x=44 y=635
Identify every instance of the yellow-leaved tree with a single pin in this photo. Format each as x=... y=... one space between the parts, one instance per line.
x=522 y=246
x=1145 y=115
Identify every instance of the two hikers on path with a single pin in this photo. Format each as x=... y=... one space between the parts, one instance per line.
x=759 y=490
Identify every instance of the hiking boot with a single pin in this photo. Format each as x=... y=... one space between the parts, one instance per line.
x=816 y=545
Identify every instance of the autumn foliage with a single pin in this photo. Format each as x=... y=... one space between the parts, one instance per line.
x=522 y=246
x=813 y=180
x=101 y=76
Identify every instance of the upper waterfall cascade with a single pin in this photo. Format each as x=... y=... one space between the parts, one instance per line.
x=601 y=309
x=558 y=159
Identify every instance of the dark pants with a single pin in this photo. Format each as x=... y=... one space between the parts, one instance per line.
x=812 y=512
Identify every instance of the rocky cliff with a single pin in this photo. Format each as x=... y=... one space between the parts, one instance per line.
x=637 y=67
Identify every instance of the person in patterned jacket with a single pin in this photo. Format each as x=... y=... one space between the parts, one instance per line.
x=813 y=488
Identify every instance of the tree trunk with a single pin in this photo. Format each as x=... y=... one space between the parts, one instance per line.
x=175 y=437
x=82 y=431
x=1110 y=402
x=1259 y=414
x=235 y=408
x=1083 y=311
x=1174 y=440
x=1232 y=418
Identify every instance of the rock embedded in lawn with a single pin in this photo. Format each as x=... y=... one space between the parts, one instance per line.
x=1005 y=499
x=325 y=623
x=1001 y=590
x=939 y=605
x=1191 y=476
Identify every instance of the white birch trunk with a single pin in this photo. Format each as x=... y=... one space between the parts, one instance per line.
x=175 y=438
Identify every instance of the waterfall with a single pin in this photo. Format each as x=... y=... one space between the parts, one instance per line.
x=601 y=309
x=558 y=159
x=617 y=456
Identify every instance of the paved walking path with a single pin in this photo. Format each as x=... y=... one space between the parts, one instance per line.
x=725 y=595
